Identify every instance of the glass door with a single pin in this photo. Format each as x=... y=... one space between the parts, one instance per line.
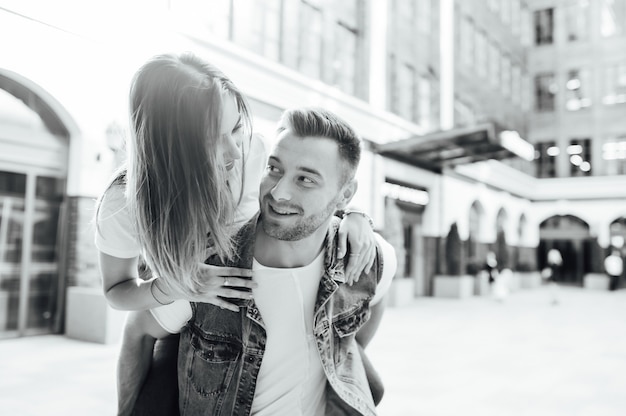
x=29 y=253
x=12 y=215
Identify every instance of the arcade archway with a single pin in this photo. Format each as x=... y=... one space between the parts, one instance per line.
x=570 y=235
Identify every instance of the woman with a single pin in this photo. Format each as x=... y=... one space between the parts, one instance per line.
x=192 y=176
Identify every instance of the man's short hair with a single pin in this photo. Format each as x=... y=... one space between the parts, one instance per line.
x=318 y=122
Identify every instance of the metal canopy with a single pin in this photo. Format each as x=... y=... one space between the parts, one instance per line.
x=460 y=146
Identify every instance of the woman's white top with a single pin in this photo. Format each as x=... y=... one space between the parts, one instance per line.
x=116 y=234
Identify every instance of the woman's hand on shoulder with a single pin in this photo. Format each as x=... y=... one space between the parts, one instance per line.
x=357 y=234
x=219 y=284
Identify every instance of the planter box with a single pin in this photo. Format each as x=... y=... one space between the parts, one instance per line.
x=4 y=309
x=89 y=317
x=596 y=281
x=481 y=284
x=458 y=287
x=529 y=280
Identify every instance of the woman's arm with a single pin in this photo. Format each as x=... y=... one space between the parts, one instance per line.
x=123 y=288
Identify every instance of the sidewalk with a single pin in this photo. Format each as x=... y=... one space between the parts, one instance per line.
x=438 y=357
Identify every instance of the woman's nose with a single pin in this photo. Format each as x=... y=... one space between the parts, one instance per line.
x=233 y=151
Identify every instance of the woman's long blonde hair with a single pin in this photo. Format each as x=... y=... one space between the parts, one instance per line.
x=176 y=181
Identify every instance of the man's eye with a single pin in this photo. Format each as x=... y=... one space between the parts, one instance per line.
x=307 y=180
x=272 y=169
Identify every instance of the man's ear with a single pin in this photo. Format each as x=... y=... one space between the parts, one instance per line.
x=347 y=193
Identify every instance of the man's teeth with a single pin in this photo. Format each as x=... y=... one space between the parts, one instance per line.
x=279 y=211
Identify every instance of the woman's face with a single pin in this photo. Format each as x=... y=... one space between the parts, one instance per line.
x=231 y=132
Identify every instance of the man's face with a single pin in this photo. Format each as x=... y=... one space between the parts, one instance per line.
x=301 y=187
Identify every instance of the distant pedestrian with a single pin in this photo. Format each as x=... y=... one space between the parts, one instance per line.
x=555 y=263
x=500 y=287
x=614 y=266
x=491 y=266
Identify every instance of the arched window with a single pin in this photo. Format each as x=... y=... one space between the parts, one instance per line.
x=475 y=219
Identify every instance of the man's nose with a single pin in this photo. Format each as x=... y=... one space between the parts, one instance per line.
x=280 y=191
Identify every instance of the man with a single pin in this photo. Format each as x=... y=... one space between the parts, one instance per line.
x=295 y=348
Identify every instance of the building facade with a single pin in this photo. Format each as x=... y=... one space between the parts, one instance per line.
x=440 y=90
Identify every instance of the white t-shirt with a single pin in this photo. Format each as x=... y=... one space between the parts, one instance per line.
x=291 y=380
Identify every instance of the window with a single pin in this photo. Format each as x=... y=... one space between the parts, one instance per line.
x=423 y=104
x=474 y=229
x=577 y=90
x=406 y=92
x=494 y=64
x=516 y=84
x=545 y=91
x=256 y=26
x=579 y=153
x=577 y=20
x=545 y=159
x=526 y=92
x=505 y=11
x=506 y=76
x=467 y=42
x=310 y=40
x=613 y=17
x=525 y=27
x=344 y=58
x=516 y=16
x=614 y=155
x=544 y=27
x=266 y=27
x=615 y=84
x=405 y=16
x=463 y=114
x=345 y=44
x=424 y=12
x=481 y=53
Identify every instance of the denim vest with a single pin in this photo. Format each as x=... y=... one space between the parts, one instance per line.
x=220 y=351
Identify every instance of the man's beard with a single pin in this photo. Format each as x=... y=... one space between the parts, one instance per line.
x=302 y=228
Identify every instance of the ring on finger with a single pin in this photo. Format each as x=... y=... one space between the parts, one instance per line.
x=226 y=282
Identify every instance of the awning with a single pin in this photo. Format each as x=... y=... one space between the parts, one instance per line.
x=459 y=146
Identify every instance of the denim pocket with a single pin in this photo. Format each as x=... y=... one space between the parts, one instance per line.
x=212 y=366
x=348 y=322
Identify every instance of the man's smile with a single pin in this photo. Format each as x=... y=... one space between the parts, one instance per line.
x=282 y=210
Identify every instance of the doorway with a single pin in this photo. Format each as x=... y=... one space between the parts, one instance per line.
x=570 y=235
x=34 y=149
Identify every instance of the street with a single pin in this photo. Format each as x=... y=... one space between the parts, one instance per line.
x=437 y=357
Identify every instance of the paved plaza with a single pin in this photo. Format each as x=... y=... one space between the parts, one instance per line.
x=438 y=357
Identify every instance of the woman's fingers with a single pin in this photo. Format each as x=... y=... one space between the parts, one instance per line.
x=233 y=271
x=238 y=282
x=234 y=293
x=216 y=276
x=210 y=270
x=372 y=257
x=359 y=261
